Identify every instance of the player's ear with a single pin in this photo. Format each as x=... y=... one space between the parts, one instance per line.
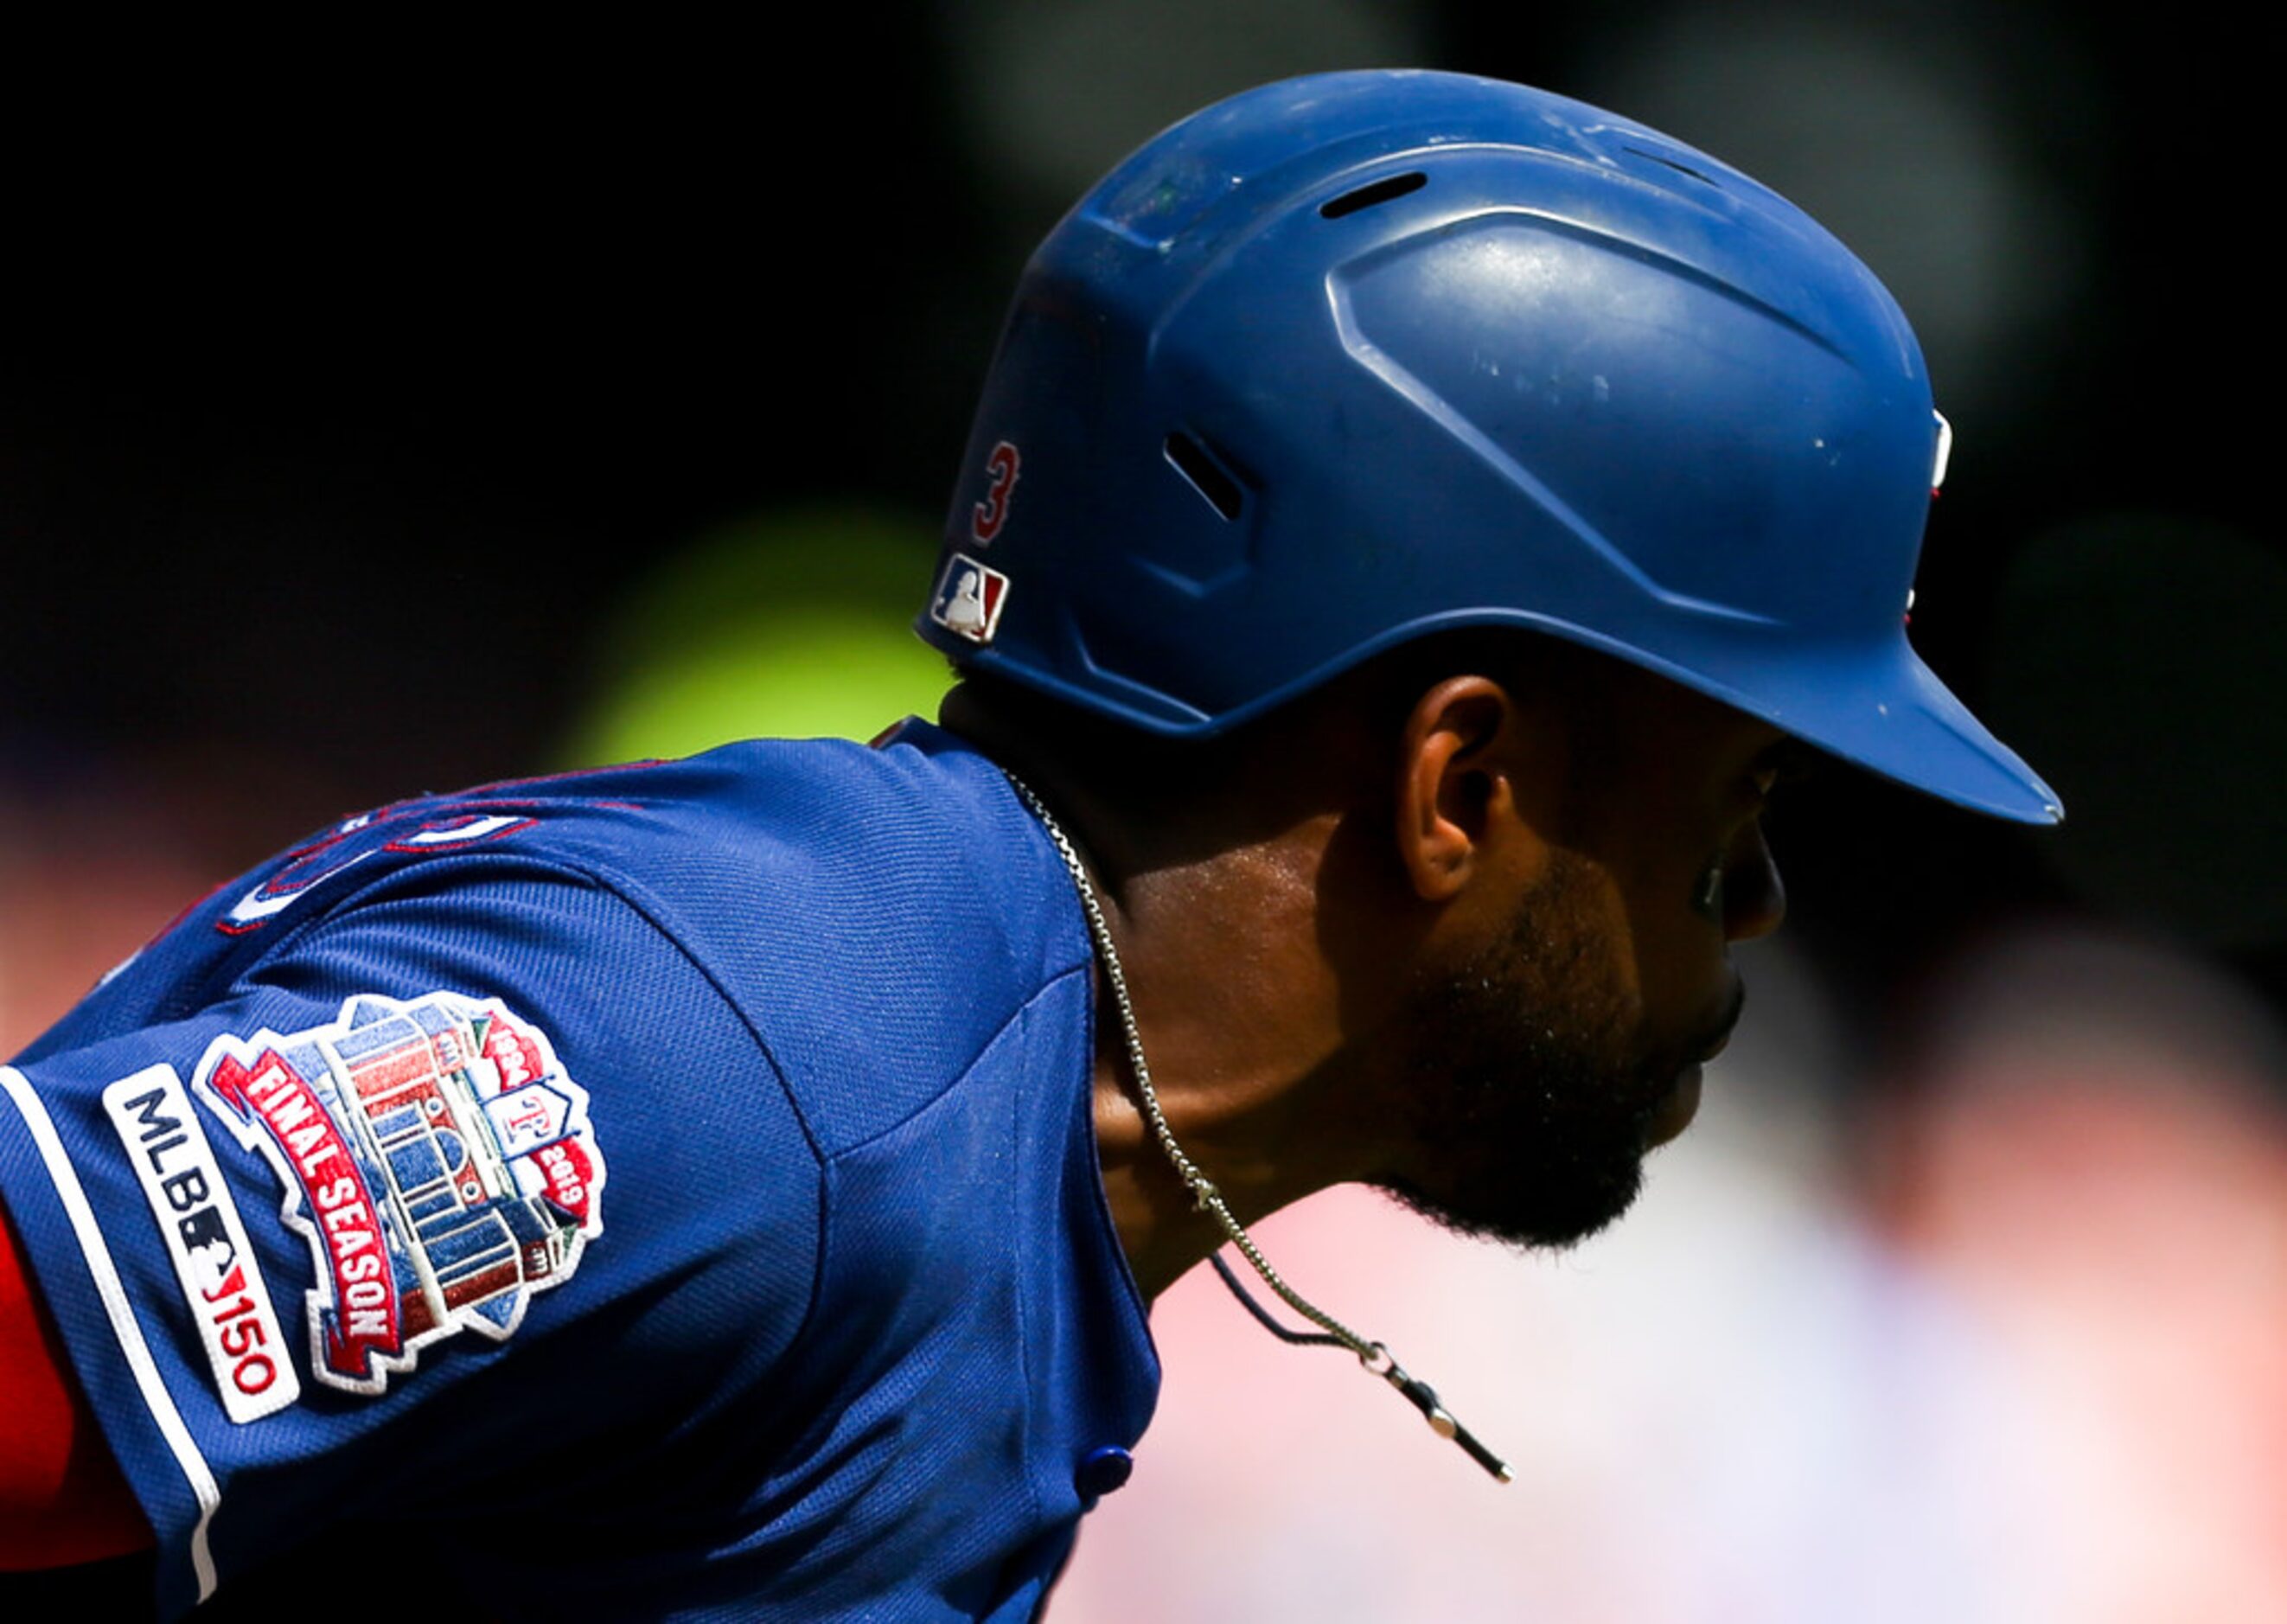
x=1454 y=781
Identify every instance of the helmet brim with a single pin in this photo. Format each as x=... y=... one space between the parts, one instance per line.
x=1885 y=710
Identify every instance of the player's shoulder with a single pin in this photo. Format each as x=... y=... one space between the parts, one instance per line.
x=687 y=840
x=915 y=836
x=869 y=912
x=876 y=913
x=681 y=833
x=885 y=911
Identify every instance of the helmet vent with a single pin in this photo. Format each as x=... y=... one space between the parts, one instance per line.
x=1367 y=196
x=1195 y=463
x=1681 y=168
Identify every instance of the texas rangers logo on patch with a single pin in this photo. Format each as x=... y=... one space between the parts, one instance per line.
x=969 y=596
x=434 y=1156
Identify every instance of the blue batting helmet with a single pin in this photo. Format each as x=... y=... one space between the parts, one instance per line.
x=1353 y=358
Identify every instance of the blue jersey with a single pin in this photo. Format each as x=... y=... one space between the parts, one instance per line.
x=664 y=1191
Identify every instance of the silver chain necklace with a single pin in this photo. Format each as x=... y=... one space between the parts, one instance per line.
x=1374 y=1356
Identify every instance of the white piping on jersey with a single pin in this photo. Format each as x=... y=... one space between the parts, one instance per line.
x=112 y=1291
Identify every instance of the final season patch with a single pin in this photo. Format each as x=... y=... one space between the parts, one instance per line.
x=434 y=1156
x=968 y=599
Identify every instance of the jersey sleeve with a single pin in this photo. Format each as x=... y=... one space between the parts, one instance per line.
x=472 y=1193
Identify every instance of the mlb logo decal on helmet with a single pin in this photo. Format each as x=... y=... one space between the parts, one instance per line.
x=970 y=598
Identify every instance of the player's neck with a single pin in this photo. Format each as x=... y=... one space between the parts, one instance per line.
x=1218 y=909
x=1238 y=1019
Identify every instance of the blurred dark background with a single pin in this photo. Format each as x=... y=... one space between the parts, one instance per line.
x=350 y=391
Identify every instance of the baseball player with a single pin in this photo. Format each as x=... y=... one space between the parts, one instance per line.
x=1412 y=523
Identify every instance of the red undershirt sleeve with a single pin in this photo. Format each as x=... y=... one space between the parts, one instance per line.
x=62 y=1498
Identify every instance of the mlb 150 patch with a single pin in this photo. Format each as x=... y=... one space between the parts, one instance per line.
x=434 y=1156
x=222 y=1284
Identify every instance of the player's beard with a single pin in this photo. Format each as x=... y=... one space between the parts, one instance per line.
x=1537 y=1085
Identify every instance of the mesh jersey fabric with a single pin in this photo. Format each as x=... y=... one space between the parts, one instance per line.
x=673 y=1187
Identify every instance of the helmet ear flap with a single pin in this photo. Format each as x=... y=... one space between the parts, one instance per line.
x=1351 y=359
